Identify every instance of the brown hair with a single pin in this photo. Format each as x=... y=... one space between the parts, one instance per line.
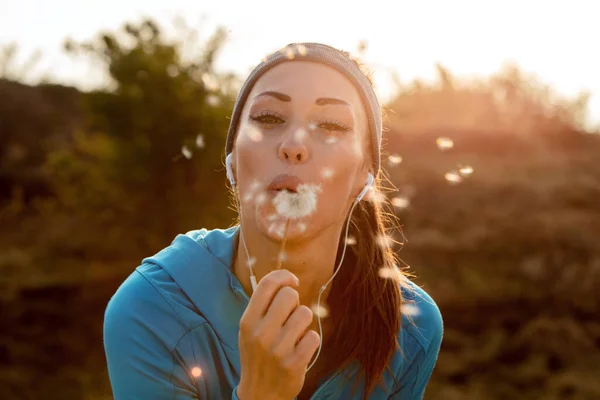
x=365 y=308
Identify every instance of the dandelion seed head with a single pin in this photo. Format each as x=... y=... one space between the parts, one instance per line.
x=299 y=204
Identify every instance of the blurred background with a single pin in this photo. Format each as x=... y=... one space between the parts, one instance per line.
x=113 y=117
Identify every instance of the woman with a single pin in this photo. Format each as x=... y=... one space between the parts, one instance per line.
x=229 y=313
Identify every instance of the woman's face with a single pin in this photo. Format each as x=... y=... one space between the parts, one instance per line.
x=305 y=120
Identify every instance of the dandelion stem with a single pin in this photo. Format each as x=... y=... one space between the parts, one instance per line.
x=282 y=248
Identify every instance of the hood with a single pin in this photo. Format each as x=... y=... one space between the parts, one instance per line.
x=199 y=262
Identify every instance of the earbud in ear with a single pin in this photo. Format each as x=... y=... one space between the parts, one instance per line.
x=228 y=167
x=368 y=186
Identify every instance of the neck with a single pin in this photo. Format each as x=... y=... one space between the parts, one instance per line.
x=312 y=261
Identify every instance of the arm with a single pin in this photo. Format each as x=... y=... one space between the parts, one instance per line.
x=139 y=336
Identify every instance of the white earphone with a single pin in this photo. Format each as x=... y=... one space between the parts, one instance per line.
x=229 y=170
x=368 y=185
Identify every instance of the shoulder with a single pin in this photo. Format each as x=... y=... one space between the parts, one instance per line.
x=148 y=303
x=421 y=317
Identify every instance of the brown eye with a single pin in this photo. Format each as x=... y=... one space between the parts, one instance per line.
x=267 y=118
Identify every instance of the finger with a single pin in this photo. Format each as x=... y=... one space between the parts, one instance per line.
x=265 y=291
x=294 y=329
x=285 y=302
x=306 y=348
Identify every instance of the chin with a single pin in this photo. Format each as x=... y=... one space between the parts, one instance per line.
x=272 y=226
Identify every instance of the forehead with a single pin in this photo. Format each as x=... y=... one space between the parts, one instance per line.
x=306 y=81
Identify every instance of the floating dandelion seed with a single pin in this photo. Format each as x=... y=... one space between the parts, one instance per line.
x=390 y=273
x=331 y=140
x=401 y=202
x=444 y=143
x=254 y=134
x=466 y=170
x=312 y=126
x=186 y=152
x=209 y=82
x=272 y=217
x=302 y=49
x=320 y=311
x=302 y=227
x=453 y=177
x=196 y=372
x=277 y=230
x=213 y=100
x=261 y=198
x=282 y=256
x=297 y=205
x=251 y=261
x=351 y=240
x=327 y=173
x=255 y=185
x=394 y=159
x=300 y=134
x=410 y=309
x=200 y=141
x=289 y=53
x=376 y=196
x=384 y=240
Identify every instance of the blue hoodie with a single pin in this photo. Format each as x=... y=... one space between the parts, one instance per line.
x=171 y=330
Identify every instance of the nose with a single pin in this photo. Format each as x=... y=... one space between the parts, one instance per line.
x=293 y=150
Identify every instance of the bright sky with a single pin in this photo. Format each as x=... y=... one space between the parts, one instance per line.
x=550 y=38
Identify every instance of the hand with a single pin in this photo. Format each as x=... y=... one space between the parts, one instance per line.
x=275 y=348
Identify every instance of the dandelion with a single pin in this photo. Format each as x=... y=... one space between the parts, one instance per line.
x=294 y=206
x=186 y=152
x=453 y=177
x=351 y=240
x=444 y=143
x=327 y=173
x=466 y=170
x=410 y=309
x=200 y=141
x=319 y=311
x=401 y=202
x=297 y=205
x=394 y=159
x=196 y=372
x=254 y=134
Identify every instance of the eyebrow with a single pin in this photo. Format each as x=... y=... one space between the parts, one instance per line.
x=322 y=101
